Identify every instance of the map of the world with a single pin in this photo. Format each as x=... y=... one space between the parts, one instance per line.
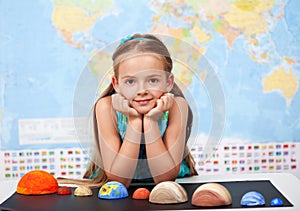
x=251 y=46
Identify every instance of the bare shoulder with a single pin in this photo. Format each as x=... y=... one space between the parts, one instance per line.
x=103 y=110
x=181 y=102
x=180 y=107
x=178 y=115
x=103 y=104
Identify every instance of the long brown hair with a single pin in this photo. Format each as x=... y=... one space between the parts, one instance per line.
x=136 y=44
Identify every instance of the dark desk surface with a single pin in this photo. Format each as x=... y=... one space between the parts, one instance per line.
x=237 y=188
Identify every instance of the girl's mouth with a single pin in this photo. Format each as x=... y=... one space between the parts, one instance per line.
x=143 y=101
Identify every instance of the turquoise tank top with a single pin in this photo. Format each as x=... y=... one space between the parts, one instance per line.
x=142 y=169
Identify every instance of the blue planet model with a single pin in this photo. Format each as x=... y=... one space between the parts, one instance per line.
x=276 y=202
x=112 y=190
x=252 y=198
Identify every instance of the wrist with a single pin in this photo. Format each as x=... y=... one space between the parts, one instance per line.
x=148 y=123
x=153 y=116
x=134 y=131
x=135 y=122
x=151 y=130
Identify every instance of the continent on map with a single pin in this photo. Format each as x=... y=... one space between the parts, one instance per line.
x=70 y=17
x=284 y=81
x=247 y=16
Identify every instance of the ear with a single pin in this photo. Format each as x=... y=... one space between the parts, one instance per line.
x=115 y=83
x=170 y=82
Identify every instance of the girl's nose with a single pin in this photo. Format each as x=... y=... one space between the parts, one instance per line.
x=142 y=88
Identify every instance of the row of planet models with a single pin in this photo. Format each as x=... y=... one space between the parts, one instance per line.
x=168 y=192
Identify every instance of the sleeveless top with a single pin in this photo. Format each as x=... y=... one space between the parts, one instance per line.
x=142 y=172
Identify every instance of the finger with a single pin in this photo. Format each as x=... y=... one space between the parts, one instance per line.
x=125 y=105
x=115 y=101
x=167 y=98
x=168 y=94
x=159 y=104
x=133 y=112
x=124 y=102
x=167 y=102
x=164 y=100
x=113 y=97
x=117 y=98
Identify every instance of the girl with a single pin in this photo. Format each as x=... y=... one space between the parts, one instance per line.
x=142 y=121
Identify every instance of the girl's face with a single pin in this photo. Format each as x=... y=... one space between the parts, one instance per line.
x=142 y=80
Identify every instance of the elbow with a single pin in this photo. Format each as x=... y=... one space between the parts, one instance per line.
x=125 y=181
x=170 y=175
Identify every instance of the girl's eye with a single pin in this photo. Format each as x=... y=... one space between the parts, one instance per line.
x=153 y=81
x=129 y=82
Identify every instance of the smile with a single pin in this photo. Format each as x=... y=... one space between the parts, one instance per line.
x=143 y=101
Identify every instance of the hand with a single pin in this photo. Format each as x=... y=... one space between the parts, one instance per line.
x=162 y=105
x=121 y=104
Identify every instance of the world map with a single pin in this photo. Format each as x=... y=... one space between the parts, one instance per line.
x=251 y=46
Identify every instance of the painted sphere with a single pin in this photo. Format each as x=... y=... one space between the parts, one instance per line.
x=168 y=192
x=211 y=195
x=276 y=202
x=37 y=182
x=141 y=193
x=252 y=198
x=112 y=190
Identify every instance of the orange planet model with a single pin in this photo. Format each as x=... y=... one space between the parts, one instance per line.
x=37 y=182
x=141 y=193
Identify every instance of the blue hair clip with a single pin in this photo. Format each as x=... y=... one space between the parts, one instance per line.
x=124 y=40
x=129 y=37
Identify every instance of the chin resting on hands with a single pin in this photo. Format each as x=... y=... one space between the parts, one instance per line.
x=121 y=104
x=162 y=105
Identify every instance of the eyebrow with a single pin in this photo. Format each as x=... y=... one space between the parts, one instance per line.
x=154 y=75
x=148 y=76
x=127 y=76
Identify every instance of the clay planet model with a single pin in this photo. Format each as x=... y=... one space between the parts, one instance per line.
x=211 y=195
x=64 y=190
x=168 y=192
x=252 y=199
x=112 y=190
x=37 y=182
x=141 y=193
x=83 y=191
x=276 y=202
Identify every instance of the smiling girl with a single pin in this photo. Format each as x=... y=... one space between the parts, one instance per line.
x=142 y=121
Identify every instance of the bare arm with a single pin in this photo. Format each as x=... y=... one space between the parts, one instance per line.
x=165 y=155
x=119 y=158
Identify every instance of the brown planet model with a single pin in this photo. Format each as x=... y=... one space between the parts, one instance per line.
x=168 y=192
x=211 y=195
